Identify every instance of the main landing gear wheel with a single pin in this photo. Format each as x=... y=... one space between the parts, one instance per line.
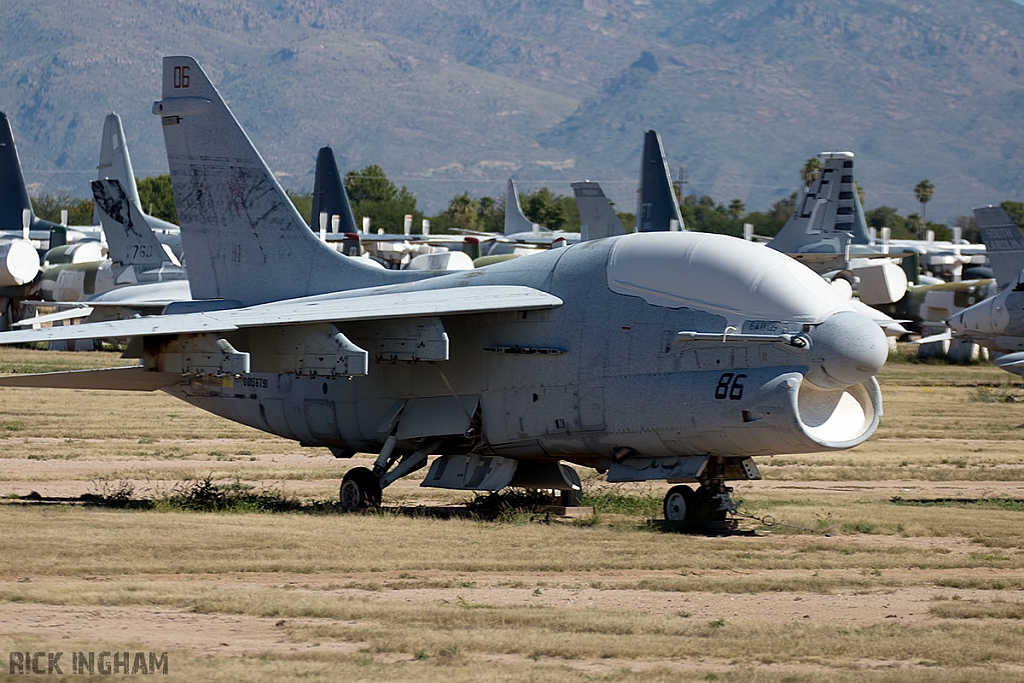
x=359 y=489
x=680 y=504
x=571 y=498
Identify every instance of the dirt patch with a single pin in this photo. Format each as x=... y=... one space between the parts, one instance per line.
x=198 y=634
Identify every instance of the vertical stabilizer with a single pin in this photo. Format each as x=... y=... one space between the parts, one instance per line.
x=242 y=236
x=130 y=239
x=1004 y=243
x=656 y=205
x=13 y=193
x=329 y=194
x=827 y=215
x=14 y=199
x=596 y=211
x=515 y=219
x=115 y=162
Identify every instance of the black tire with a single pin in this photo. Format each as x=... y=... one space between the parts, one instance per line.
x=359 y=489
x=680 y=504
x=571 y=498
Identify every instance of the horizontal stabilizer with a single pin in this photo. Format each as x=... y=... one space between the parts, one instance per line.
x=319 y=309
x=111 y=379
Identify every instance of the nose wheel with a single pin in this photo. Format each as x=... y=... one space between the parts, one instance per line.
x=680 y=504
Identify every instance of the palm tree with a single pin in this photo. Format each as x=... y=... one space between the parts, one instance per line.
x=810 y=170
x=924 y=191
x=737 y=208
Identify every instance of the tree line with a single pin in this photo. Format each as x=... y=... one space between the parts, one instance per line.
x=373 y=195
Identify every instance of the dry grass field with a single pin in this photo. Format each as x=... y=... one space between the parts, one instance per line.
x=901 y=560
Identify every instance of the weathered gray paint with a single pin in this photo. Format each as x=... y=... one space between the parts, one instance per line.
x=573 y=354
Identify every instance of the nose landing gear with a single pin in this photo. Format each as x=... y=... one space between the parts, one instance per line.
x=705 y=509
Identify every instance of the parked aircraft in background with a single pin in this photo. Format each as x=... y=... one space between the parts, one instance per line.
x=142 y=276
x=669 y=355
x=16 y=212
x=827 y=232
x=116 y=164
x=997 y=322
x=657 y=208
x=135 y=254
x=333 y=220
x=828 y=219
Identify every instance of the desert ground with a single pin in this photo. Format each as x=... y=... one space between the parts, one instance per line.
x=135 y=523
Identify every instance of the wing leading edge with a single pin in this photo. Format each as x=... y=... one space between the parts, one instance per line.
x=316 y=309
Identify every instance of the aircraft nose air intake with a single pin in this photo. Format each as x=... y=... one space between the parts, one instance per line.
x=846 y=349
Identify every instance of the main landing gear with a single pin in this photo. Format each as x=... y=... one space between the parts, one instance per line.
x=359 y=489
x=705 y=507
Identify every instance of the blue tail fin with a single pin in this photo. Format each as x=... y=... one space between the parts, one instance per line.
x=13 y=193
x=14 y=200
x=329 y=196
x=656 y=205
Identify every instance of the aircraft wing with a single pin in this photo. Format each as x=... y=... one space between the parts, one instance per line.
x=349 y=306
x=66 y=314
x=115 y=379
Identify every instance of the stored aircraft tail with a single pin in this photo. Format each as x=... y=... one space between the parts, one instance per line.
x=13 y=193
x=115 y=162
x=597 y=215
x=243 y=238
x=329 y=196
x=828 y=215
x=14 y=201
x=130 y=240
x=515 y=219
x=656 y=205
x=1004 y=243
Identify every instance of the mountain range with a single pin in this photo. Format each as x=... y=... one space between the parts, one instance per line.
x=458 y=95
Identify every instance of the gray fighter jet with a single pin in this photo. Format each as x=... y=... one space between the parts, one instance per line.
x=651 y=356
x=996 y=323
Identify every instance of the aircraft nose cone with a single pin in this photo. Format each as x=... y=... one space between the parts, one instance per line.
x=846 y=349
x=956 y=323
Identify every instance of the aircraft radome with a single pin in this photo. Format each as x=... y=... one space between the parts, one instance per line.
x=672 y=356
